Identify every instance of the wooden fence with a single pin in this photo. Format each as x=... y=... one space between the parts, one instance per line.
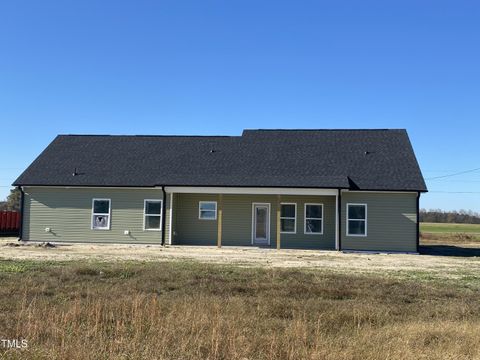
x=9 y=222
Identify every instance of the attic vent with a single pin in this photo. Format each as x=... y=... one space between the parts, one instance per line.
x=75 y=173
x=212 y=151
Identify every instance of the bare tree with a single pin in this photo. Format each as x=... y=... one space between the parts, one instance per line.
x=440 y=216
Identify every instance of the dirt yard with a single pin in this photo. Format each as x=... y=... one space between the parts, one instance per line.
x=437 y=262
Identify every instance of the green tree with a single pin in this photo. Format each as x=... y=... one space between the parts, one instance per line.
x=13 y=200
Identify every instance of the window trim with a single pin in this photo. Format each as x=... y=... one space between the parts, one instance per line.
x=145 y=214
x=364 y=220
x=288 y=218
x=311 y=218
x=94 y=213
x=200 y=212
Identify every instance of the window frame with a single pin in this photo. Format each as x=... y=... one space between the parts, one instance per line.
x=311 y=218
x=288 y=218
x=364 y=220
x=200 y=210
x=94 y=213
x=145 y=214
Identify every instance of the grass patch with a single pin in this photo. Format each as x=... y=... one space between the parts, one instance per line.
x=187 y=310
x=11 y=266
x=450 y=228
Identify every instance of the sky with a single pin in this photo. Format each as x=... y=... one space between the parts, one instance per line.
x=218 y=67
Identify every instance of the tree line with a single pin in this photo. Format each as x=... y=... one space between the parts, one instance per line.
x=440 y=216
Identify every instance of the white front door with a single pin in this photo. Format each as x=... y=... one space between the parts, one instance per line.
x=261 y=224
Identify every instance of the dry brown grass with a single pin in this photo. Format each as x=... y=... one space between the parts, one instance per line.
x=183 y=310
x=450 y=238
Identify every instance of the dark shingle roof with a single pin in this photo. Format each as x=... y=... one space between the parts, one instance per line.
x=355 y=159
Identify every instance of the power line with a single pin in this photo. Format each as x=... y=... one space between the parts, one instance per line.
x=454 y=174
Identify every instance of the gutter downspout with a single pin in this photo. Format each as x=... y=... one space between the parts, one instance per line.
x=418 y=222
x=164 y=210
x=22 y=207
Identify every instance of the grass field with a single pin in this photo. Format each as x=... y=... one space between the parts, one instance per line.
x=350 y=307
x=450 y=228
x=188 y=310
x=464 y=235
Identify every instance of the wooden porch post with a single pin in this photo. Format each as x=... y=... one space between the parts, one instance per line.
x=278 y=222
x=219 y=220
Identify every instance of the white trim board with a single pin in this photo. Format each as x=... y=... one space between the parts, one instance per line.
x=94 y=187
x=245 y=190
x=229 y=190
x=210 y=190
x=377 y=191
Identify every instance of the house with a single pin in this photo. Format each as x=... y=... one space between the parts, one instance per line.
x=314 y=189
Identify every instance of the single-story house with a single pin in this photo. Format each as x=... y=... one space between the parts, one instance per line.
x=308 y=189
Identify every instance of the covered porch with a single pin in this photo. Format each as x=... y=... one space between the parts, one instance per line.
x=289 y=218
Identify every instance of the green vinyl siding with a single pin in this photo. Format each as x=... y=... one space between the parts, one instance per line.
x=237 y=221
x=300 y=240
x=189 y=229
x=391 y=218
x=391 y=222
x=68 y=212
x=237 y=218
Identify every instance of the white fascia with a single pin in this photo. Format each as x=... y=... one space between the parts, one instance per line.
x=250 y=190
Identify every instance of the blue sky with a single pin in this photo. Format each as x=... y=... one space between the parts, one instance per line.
x=217 y=67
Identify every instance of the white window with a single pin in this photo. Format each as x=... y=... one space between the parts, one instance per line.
x=288 y=218
x=101 y=209
x=152 y=215
x=313 y=219
x=357 y=219
x=207 y=210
